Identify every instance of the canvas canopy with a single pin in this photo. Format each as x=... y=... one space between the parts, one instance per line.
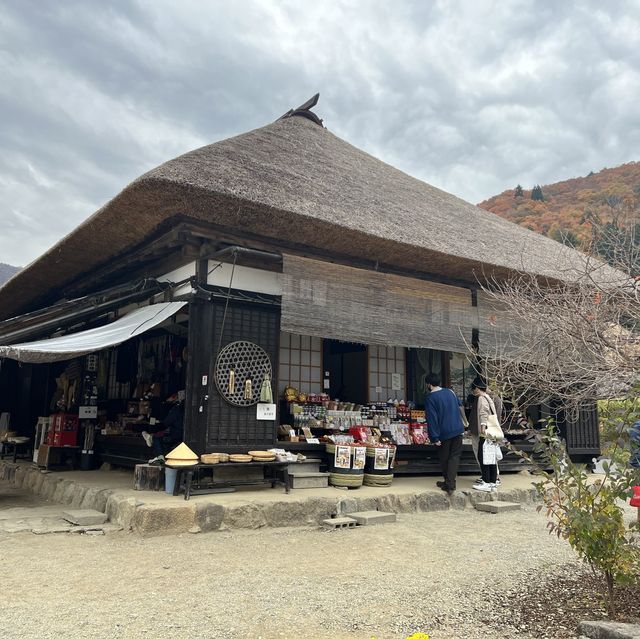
x=76 y=344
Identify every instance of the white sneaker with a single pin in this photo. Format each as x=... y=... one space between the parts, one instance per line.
x=148 y=438
x=484 y=487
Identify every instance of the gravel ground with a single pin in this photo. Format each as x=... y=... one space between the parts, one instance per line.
x=439 y=573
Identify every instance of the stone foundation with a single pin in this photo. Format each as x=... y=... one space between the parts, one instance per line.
x=179 y=516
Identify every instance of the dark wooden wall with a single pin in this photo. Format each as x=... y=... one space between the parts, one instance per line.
x=583 y=433
x=211 y=423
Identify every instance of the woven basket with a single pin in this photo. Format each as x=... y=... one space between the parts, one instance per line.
x=261 y=453
x=343 y=480
x=211 y=458
x=263 y=459
x=240 y=458
x=377 y=480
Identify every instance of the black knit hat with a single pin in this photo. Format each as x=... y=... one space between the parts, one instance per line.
x=479 y=383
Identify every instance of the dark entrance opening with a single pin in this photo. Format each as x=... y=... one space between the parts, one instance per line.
x=348 y=370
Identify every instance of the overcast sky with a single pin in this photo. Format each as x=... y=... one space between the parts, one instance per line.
x=471 y=96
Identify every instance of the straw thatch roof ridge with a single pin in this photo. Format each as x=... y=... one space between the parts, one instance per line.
x=294 y=181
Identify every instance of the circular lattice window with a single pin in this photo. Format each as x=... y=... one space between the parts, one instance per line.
x=241 y=369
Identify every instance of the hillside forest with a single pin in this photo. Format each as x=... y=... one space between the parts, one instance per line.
x=599 y=211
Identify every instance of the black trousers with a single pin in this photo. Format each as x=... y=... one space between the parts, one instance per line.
x=449 y=453
x=489 y=471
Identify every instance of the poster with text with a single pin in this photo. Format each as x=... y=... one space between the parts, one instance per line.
x=342 y=457
x=359 y=457
x=381 y=459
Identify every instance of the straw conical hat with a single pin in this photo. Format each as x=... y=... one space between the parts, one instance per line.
x=182 y=453
x=174 y=463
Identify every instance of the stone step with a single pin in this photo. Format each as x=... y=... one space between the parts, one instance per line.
x=84 y=517
x=496 y=507
x=372 y=517
x=339 y=522
x=309 y=480
x=306 y=466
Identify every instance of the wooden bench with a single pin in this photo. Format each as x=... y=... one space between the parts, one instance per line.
x=16 y=449
x=273 y=473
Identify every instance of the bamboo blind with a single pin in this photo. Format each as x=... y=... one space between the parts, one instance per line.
x=500 y=332
x=329 y=300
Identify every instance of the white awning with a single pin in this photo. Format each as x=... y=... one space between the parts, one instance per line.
x=76 y=344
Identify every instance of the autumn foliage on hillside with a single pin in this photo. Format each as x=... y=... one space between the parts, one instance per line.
x=566 y=211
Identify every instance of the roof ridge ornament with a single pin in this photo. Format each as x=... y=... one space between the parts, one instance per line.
x=304 y=110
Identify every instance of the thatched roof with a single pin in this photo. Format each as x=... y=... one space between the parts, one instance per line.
x=294 y=181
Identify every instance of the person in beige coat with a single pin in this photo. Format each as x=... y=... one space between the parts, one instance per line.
x=483 y=407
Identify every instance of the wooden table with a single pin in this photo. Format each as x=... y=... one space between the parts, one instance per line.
x=273 y=473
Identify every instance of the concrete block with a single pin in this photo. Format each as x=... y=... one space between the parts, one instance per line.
x=309 y=480
x=84 y=517
x=497 y=506
x=372 y=517
x=338 y=523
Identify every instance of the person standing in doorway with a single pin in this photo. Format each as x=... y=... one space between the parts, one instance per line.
x=484 y=407
x=445 y=425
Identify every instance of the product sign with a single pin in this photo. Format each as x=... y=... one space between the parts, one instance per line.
x=359 y=457
x=396 y=382
x=381 y=459
x=266 y=412
x=88 y=412
x=342 y=457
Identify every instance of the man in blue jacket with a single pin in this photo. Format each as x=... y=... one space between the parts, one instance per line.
x=444 y=422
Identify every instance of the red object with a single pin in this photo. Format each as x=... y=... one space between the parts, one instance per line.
x=635 y=500
x=63 y=430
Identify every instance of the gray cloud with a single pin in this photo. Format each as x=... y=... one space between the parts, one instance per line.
x=472 y=97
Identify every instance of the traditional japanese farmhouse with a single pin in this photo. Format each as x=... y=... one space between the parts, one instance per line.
x=288 y=282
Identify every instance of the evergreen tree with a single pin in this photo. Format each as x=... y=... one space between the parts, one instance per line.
x=519 y=191
x=536 y=193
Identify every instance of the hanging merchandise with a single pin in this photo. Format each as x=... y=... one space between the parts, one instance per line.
x=266 y=395
x=232 y=382
x=240 y=371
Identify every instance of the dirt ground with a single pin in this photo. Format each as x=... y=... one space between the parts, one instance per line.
x=451 y=574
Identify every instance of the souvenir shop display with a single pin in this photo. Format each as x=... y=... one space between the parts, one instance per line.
x=318 y=416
